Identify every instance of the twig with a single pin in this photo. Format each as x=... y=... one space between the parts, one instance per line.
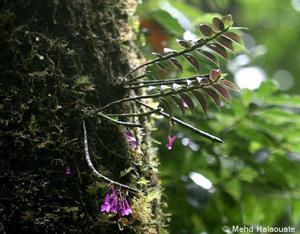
x=118 y=122
x=173 y=55
x=180 y=122
x=95 y=172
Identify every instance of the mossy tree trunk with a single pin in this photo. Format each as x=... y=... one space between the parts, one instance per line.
x=61 y=60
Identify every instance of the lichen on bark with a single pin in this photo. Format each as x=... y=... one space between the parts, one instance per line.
x=59 y=61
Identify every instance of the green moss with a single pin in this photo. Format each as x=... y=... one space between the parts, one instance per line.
x=59 y=62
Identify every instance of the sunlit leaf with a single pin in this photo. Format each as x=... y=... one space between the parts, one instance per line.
x=167 y=21
x=227 y=21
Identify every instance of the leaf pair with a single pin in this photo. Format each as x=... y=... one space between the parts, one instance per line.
x=218 y=25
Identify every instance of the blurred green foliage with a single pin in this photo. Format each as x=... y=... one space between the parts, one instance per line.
x=255 y=173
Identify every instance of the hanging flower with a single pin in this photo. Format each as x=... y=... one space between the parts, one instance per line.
x=125 y=209
x=106 y=206
x=68 y=171
x=114 y=202
x=131 y=139
x=128 y=209
x=171 y=140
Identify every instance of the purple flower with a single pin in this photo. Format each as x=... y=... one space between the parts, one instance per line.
x=170 y=143
x=128 y=209
x=114 y=202
x=125 y=209
x=106 y=206
x=68 y=171
x=131 y=139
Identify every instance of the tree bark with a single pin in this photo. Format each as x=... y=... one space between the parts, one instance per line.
x=60 y=61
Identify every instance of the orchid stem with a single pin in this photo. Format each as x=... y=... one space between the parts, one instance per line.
x=173 y=55
x=132 y=114
x=118 y=122
x=95 y=172
x=180 y=122
x=156 y=95
x=148 y=83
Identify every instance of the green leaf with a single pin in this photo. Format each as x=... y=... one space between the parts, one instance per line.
x=227 y=21
x=168 y=22
x=265 y=89
x=126 y=171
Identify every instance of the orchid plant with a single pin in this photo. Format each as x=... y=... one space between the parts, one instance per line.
x=217 y=40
